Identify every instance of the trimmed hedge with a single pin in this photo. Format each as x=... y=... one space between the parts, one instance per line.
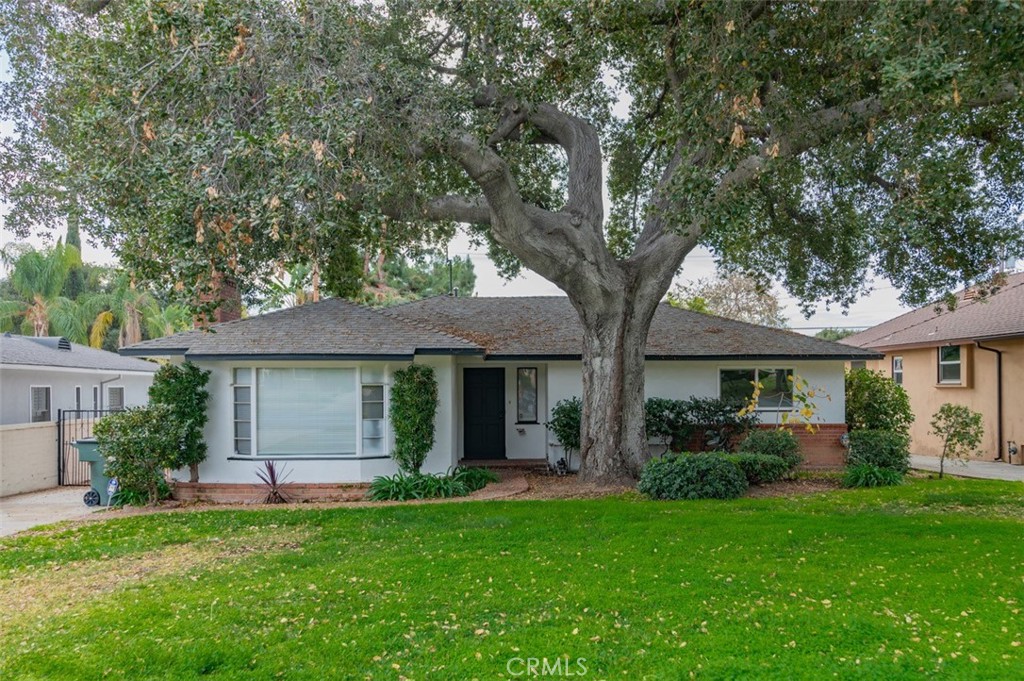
x=781 y=443
x=882 y=448
x=759 y=469
x=692 y=476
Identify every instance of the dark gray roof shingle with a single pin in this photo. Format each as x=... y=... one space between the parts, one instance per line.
x=550 y=327
x=1000 y=315
x=27 y=350
x=330 y=328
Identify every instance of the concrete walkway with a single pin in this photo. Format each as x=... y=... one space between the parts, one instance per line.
x=988 y=470
x=25 y=511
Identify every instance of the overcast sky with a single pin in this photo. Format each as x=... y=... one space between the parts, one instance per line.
x=881 y=304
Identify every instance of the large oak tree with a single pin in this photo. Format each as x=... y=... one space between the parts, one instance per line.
x=812 y=142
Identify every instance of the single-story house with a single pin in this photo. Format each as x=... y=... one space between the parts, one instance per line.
x=310 y=385
x=41 y=375
x=971 y=354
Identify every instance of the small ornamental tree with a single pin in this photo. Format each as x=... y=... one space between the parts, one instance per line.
x=565 y=424
x=182 y=387
x=961 y=430
x=138 y=444
x=875 y=402
x=413 y=408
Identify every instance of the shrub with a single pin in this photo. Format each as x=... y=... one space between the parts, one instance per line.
x=406 y=486
x=781 y=443
x=875 y=402
x=475 y=478
x=413 y=408
x=692 y=476
x=565 y=423
x=183 y=389
x=870 y=475
x=882 y=448
x=668 y=421
x=759 y=469
x=275 y=483
x=137 y=445
x=961 y=430
x=719 y=421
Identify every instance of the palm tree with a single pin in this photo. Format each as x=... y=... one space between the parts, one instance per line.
x=38 y=278
x=169 y=320
x=127 y=306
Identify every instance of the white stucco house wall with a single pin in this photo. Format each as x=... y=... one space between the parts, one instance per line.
x=41 y=375
x=310 y=385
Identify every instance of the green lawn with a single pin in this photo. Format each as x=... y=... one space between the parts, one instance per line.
x=922 y=580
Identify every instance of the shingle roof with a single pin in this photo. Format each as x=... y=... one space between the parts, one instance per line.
x=550 y=327
x=330 y=329
x=32 y=351
x=1000 y=315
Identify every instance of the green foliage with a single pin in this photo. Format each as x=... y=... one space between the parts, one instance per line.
x=668 y=421
x=692 y=476
x=733 y=296
x=275 y=483
x=719 y=421
x=137 y=497
x=834 y=334
x=960 y=429
x=759 y=469
x=138 y=444
x=565 y=424
x=870 y=475
x=182 y=387
x=413 y=408
x=881 y=448
x=406 y=486
x=474 y=478
x=874 y=402
x=780 y=442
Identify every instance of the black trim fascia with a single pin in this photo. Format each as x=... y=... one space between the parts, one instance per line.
x=296 y=357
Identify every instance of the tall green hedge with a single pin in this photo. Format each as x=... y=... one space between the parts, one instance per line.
x=413 y=408
x=182 y=387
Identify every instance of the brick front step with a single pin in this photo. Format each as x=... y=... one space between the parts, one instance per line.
x=254 y=493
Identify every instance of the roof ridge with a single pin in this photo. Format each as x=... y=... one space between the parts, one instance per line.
x=419 y=325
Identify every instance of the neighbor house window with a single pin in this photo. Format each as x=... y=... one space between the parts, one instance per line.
x=40 y=398
x=949 y=364
x=78 y=398
x=305 y=412
x=897 y=370
x=526 y=394
x=115 y=399
x=242 y=389
x=95 y=398
x=737 y=386
x=373 y=419
x=858 y=364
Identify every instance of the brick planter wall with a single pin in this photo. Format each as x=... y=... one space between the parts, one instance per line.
x=243 y=493
x=820 y=450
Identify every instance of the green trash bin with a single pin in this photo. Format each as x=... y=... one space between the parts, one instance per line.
x=89 y=450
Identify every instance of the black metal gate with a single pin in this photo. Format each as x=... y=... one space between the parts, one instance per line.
x=74 y=424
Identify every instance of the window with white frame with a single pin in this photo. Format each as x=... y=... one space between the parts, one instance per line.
x=897 y=370
x=78 y=398
x=305 y=412
x=949 y=364
x=95 y=398
x=737 y=386
x=40 y=403
x=373 y=406
x=115 y=398
x=242 y=391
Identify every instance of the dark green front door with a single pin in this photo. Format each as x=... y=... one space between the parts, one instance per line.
x=483 y=399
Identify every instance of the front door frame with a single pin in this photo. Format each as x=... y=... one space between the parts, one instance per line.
x=496 y=448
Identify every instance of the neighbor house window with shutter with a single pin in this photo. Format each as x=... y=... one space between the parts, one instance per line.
x=242 y=390
x=949 y=364
x=40 y=407
x=897 y=370
x=115 y=399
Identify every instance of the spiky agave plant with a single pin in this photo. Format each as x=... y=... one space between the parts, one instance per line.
x=275 y=482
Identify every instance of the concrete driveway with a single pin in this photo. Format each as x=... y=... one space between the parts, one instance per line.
x=988 y=470
x=25 y=511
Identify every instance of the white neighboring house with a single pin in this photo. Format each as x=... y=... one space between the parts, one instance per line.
x=310 y=385
x=40 y=375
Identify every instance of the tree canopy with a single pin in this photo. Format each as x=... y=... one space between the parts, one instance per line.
x=733 y=296
x=812 y=143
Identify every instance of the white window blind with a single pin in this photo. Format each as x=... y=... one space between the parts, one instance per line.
x=306 y=411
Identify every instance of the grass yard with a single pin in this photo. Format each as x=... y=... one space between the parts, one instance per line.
x=921 y=580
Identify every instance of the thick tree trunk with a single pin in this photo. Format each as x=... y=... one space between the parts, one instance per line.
x=613 y=440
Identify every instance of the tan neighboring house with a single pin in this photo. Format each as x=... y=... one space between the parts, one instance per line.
x=971 y=355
